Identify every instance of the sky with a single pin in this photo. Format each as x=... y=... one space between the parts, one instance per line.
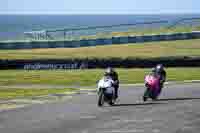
x=98 y=6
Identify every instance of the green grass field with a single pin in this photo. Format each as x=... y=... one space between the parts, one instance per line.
x=26 y=93
x=145 y=31
x=88 y=77
x=15 y=83
x=130 y=32
x=139 y=50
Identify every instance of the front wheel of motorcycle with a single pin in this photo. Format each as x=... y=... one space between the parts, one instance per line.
x=101 y=99
x=144 y=98
x=146 y=95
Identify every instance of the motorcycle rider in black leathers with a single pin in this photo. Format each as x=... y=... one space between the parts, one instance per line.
x=113 y=74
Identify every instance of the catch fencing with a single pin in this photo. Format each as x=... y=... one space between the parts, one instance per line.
x=101 y=41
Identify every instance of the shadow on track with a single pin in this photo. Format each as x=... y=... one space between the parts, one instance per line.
x=139 y=104
x=157 y=102
x=179 y=99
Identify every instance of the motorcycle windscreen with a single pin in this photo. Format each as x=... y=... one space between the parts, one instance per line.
x=109 y=90
x=105 y=83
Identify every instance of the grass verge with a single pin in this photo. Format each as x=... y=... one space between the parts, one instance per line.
x=87 y=77
x=131 y=32
x=142 y=50
x=26 y=93
x=145 y=31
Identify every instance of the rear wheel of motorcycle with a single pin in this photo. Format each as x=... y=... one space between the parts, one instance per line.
x=101 y=99
x=111 y=103
x=154 y=98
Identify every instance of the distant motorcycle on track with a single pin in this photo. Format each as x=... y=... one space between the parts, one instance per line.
x=153 y=88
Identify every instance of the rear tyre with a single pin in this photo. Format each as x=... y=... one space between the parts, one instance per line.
x=111 y=103
x=154 y=98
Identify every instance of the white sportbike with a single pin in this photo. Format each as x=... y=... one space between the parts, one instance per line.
x=106 y=91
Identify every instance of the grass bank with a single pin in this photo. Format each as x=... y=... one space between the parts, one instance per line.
x=138 y=50
x=88 y=77
x=144 y=31
x=130 y=32
x=27 y=93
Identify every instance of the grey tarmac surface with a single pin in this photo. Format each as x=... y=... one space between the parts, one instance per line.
x=177 y=111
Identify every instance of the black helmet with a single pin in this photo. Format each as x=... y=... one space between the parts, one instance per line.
x=159 y=67
x=153 y=70
x=109 y=71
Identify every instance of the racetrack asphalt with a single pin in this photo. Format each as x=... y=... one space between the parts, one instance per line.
x=176 y=111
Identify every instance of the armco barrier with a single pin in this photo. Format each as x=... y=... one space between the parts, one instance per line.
x=123 y=40
x=102 y=41
x=132 y=39
x=115 y=40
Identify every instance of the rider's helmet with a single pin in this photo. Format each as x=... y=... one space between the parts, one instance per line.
x=153 y=70
x=109 y=71
x=159 y=68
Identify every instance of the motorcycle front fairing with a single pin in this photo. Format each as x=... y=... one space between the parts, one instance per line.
x=153 y=83
x=107 y=84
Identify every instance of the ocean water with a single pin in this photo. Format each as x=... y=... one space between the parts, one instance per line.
x=13 y=26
